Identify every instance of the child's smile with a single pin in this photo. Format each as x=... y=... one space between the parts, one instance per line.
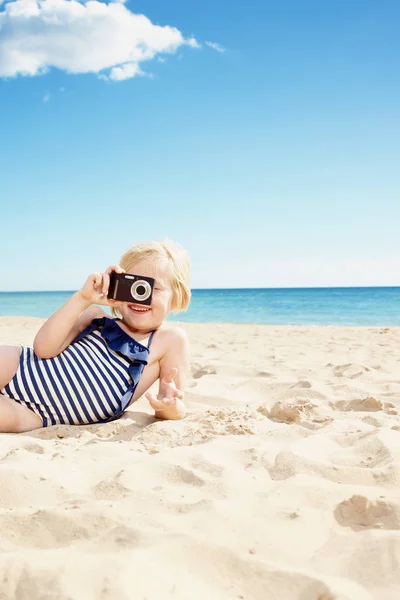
x=139 y=309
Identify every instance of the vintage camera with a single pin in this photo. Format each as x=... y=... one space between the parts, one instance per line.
x=131 y=288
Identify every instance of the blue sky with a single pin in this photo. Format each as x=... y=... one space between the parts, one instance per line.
x=271 y=154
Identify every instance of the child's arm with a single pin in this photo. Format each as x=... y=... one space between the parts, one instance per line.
x=174 y=368
x=72 y=318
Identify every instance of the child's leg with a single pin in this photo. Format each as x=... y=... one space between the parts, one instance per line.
x=9 y=362
x=14 y=417
x=17 y=418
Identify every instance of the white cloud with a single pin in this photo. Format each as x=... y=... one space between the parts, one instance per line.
x=46 y=97
x=125 y=71
x=215 y=46
x=78 y=37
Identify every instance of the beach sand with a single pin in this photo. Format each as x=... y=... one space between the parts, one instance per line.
x=281 y=483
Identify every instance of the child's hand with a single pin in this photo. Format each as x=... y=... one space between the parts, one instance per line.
x=168 y=404
x=96 y=287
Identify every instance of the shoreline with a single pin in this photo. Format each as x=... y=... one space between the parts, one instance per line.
x=27 y=318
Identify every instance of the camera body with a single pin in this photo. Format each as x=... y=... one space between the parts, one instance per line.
x=126 y=287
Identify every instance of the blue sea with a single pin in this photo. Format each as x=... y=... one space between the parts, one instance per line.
x=298 y=306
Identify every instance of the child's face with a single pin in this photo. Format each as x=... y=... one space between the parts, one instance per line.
x=147 y=318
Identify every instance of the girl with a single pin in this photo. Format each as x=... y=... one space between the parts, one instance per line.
x=86 y=367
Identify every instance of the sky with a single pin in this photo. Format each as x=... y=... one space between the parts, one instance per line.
x=264 y=137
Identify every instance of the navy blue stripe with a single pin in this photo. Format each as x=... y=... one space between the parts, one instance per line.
x=36 y=398
x=27 y=386
x=113 y=393
x=49 y=396
x=114 y=361
x=90 y=378
x=17 y=389
x=77 y=400
x=106 y=364
x=102 y=345
x=67 y=393
x=97 y=354
x=70 y=418
x=98 y=345
x=94 y=377
x=8 y=391
x=109 y=366
x=118 y=366
x=83 y=385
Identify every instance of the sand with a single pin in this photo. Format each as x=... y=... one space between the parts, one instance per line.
x=282 y=482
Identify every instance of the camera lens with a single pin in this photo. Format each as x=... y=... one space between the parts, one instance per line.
x=140 y=290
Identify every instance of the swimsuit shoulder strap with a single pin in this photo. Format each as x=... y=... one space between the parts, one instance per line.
x=150 y=339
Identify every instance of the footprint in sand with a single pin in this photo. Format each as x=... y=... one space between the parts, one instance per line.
x=368 y=404
x=119 y=537
x=351 y=370
x=189 y=507
x=111 y=489
x=215 y=470
x=179 y=475
x=263 y=374
x=301 y=384
x=50 y=528
x=206 y=370
x=298 y=410
x=34 y=448
x=358 y=512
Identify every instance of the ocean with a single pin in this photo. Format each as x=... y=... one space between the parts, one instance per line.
x=372 y=306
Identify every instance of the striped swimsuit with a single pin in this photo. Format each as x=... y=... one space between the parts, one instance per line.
x=91 y=381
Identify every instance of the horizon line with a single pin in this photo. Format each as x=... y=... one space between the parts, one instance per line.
x=207 y=289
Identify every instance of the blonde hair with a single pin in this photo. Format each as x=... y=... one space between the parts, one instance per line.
x=178 y=261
